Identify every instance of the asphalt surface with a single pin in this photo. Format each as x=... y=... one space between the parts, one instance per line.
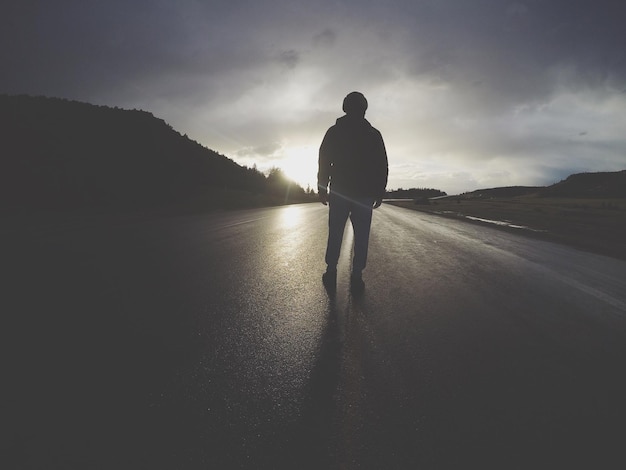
x=209 y=341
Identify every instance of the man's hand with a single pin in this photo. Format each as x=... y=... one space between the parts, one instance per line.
x=377 y=202
x=323 y=195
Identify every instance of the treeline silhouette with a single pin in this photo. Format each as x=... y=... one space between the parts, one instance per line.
x=415 y=193
x=61 y=154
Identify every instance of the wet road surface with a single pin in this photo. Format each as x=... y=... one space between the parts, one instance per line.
x=208 y=341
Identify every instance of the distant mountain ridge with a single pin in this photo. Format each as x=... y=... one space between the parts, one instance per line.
x=58 y=154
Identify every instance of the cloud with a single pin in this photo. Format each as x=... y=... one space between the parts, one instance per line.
x=289 y=58
x=325 y=39
x=262 y=153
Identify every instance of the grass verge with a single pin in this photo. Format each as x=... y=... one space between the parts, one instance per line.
x=595 y=225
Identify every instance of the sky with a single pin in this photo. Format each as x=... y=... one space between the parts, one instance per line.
x=468 y=94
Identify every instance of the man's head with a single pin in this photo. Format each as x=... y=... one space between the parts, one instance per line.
x=355 y=104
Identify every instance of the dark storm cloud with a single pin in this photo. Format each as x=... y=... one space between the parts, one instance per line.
x=508 y=46
x=78 y=48
x=72 y=46
x=508 y=52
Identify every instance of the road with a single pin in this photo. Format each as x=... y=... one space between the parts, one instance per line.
x=208 y=341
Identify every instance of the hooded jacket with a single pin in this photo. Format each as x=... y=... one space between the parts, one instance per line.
x=353 y=159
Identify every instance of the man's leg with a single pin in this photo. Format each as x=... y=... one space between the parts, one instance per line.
x=339 y=209
x=361 y=218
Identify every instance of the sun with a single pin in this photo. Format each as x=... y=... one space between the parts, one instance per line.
x=300 y=165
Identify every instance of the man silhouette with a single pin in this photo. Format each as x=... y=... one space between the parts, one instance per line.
x=353 y=160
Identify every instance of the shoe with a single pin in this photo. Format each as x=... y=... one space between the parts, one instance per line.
x=356 y=283
x=329 y=279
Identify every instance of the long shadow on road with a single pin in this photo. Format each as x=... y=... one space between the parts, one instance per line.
x=315 y=444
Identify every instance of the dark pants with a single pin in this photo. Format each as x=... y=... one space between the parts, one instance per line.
x=360 y=212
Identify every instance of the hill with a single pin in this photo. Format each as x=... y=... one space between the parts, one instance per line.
x=507 y=191
x=60 y=154
x=589 y=185
x=579 y=185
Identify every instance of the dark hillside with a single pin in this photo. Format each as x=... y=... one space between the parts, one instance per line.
x=58 y=154
x=590 y=185
x=579 y=185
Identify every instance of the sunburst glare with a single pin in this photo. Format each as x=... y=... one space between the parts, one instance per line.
x=300 y=165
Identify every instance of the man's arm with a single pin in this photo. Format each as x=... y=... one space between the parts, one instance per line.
x=383 y=171
x=324 y=167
